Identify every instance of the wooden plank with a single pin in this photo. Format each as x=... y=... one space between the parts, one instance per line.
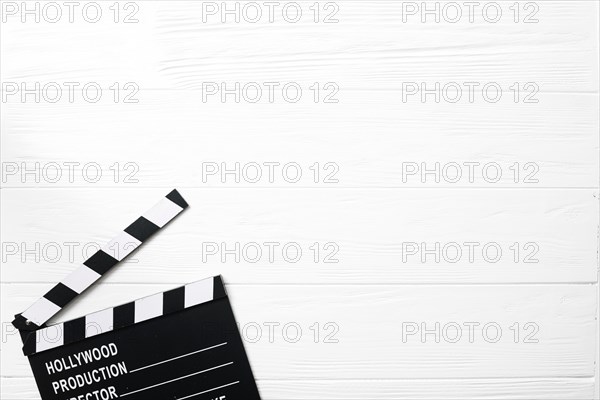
x=171 y=47
x=476 y=389
x=371 y=323
x=369 y=135
x=369 y=139
x=362 y=236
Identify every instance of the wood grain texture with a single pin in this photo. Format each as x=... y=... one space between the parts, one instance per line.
x=369 y=135
x=370 y=320
x=559 y=135
x=480 y=389
x=367 y=230
x=369 y=48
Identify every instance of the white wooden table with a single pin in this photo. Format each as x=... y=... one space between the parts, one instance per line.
x=388 y=223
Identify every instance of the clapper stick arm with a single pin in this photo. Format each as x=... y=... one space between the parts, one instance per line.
x=93 y=269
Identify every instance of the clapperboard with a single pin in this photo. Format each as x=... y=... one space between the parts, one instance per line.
x=176 y=345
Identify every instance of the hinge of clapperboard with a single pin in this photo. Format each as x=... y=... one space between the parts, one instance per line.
x=36 y=316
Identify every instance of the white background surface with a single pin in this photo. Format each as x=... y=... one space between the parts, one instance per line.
x=364 y=212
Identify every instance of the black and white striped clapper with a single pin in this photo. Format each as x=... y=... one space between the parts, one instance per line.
x=176 y=345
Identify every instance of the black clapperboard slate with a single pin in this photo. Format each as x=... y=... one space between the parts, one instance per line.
x=176 y=345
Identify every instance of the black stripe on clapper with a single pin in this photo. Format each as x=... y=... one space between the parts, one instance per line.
x=101 y=262
x=142 y=229
x=123 y=315
x=74 y=330
x=173 y=300
x=29 y=343
x=176 y=198
x=219 y=288
x=61 y=295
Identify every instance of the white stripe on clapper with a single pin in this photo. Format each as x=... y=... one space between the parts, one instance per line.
x=163 y=212
x=81 y=279
x=199 y=292
x=148 y=307
x=41 y=311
